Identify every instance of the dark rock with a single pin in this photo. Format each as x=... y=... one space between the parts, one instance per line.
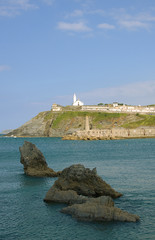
x=83 y=181
x=34 y=162
x=99 y=209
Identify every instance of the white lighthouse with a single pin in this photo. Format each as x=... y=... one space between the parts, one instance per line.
x=74 y=98
x=77 y=102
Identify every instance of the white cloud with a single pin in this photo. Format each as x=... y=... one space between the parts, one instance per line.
x=4 y=68
x=75 y=27
x=141 y=20
x=123 y=18
x=105 y=26
x=142 y=93
x=133 y=25
x=9 y=8
x=14 y=7
x=147 y=17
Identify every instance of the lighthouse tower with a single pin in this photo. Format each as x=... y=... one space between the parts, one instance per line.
x=74 y=98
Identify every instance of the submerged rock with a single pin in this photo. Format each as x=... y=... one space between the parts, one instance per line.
x=83 y=181
x=99 y=209
x=34 y=162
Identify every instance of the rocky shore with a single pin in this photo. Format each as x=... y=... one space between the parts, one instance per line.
x=34 y=161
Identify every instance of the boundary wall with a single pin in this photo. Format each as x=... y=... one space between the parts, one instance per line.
x=116 y=133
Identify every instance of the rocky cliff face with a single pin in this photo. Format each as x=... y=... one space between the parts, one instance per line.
x=47 y=124
x=35 y=127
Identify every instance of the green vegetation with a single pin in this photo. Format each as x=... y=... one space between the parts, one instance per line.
x=99 y=117
x=48 y=116
x=96 y=117
x=65 y=116
x=145 y=120
x=41 y=115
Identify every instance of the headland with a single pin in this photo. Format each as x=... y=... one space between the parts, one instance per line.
x=106 y=121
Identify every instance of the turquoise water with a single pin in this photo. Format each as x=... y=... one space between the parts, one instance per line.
x=127 y=165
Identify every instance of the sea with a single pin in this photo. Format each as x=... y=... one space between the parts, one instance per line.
x=127 y=165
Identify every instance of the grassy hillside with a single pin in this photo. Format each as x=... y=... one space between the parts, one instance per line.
x=100 y=120
x=144 y=120
x=96 y=118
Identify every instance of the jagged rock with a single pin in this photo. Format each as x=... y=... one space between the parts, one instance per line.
x=83 y=181
x=99 y=209
x=34 y=162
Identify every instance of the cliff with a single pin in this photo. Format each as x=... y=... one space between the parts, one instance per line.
x=53 y=124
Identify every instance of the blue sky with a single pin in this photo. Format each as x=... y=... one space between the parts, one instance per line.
x=104 y=51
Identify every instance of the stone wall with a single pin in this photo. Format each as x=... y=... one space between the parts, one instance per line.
x=115 y=133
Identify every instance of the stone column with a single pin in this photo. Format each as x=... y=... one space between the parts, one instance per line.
x=87 y=124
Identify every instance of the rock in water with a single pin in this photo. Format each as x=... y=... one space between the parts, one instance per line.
x=99 y=209
x=90 y=196
x=83 y=181
x=34 y=162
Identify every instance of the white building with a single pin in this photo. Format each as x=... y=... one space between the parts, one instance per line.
x=115 y=104
x=77 y=102
x=56 y=108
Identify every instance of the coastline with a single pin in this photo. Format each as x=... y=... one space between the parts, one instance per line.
x=72 y=137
